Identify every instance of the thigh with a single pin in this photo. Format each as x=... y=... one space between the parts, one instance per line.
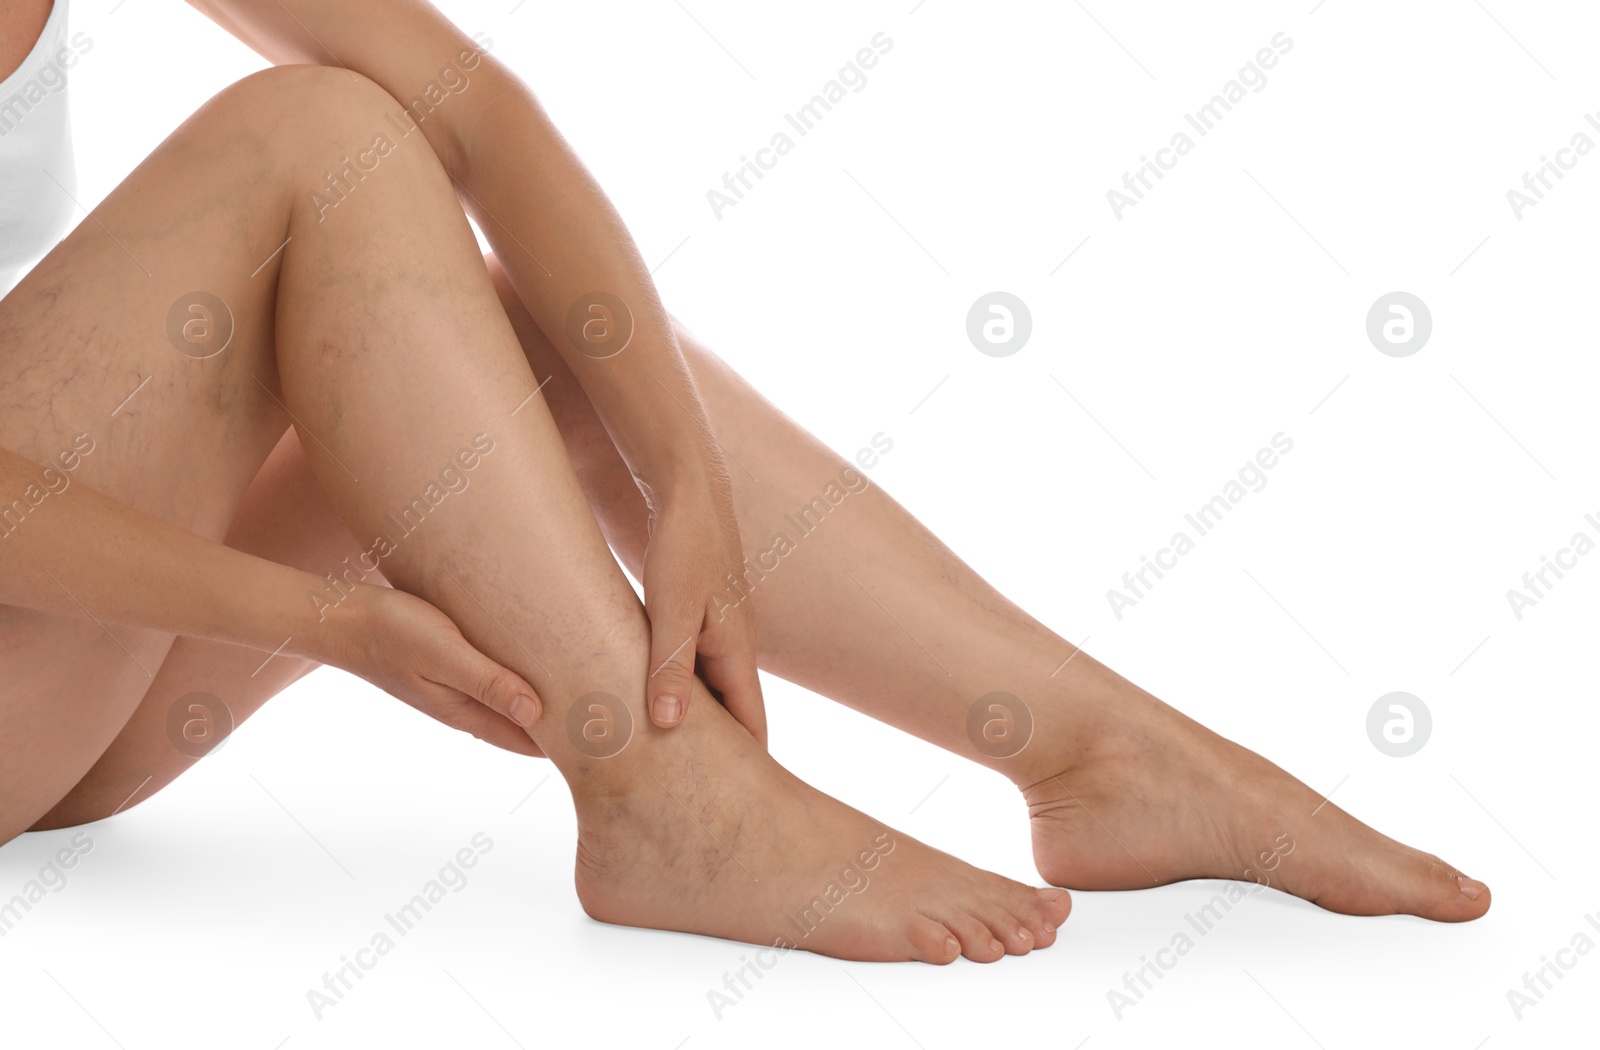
x=285 y=517
x=142 y=348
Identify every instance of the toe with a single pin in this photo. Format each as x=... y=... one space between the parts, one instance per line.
x=932 y=942
x=1055 y=904
x=1396 y=879
x=1008 y=930
x=1031 y=917
x=978 y=943
x=1443 y=894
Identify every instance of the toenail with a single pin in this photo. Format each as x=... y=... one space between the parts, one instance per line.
x=1025 y=935
x=1052 y=894
x=951 y=946
x=1472 y=889
x=1049 y=929
x=997 y=947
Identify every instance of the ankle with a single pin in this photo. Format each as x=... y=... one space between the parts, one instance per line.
x=608 y=779
x=1093 y=725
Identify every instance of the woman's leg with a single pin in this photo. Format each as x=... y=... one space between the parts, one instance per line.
x=1123 y=790
x=284 y=516
x=856 y=600
x=375 y=330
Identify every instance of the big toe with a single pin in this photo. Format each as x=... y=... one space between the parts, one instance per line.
x=1055 y=903
x=1401 y=880
x=1442 y=893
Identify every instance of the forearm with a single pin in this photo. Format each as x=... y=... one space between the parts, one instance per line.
x=560 y=241
x=81 y=554
x=575 y=268
x=551 y=226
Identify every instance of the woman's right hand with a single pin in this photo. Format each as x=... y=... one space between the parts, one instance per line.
x=409 y=649
x=165 y=578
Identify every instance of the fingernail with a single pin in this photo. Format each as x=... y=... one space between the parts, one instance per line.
x=667 y=709
x=1472 y=889
x=524 y=711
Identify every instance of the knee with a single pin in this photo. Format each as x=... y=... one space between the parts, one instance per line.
x=320 y=133
x=323 y=130
x=306 y=96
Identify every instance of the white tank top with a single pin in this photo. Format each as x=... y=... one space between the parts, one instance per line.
x=36 y=150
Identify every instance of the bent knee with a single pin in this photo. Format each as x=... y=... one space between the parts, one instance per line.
x=309 y=95
x=318 y=115
x=318 y=133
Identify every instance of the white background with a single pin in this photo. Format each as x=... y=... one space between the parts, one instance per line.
x=1221 y=310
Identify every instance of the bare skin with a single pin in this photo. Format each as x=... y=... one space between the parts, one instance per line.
x=363 y=304
x=1124 y=792
x=21 y=22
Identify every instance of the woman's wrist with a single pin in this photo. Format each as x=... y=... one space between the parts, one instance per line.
x=329 y=624
x=670 y=473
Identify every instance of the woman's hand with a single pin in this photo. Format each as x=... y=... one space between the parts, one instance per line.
x=411 y=650
x=159 y=576
x=694 y=594
x=502 y=149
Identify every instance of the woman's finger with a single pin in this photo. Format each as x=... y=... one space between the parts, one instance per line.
x=462 y=711
x=466 y=670
x=728 y=666
x=673 y=637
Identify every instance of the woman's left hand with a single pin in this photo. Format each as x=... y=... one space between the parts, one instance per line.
x=694 y=594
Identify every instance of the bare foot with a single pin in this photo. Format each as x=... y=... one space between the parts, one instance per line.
x=1156 y=798
x=701 y=831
